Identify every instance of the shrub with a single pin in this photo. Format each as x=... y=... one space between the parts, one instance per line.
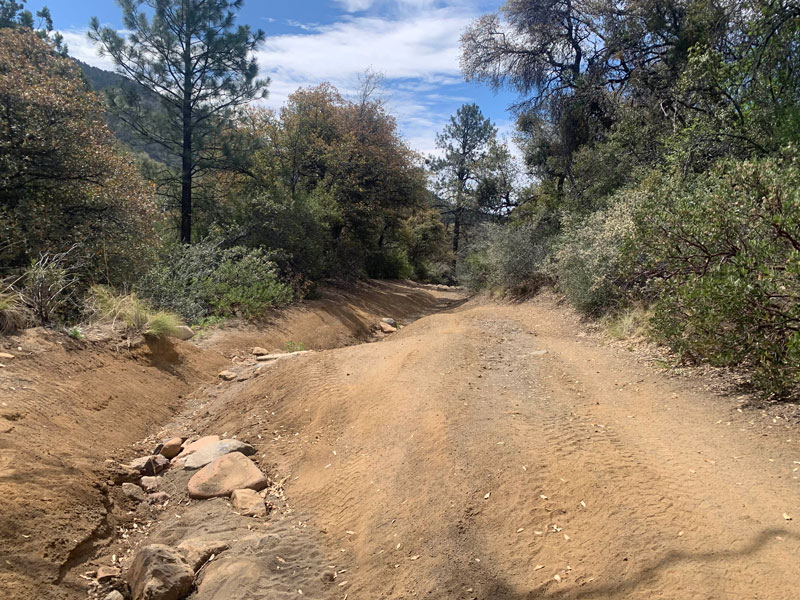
x=389 y=263
x=13 y=313
x=106 y=305
x=205 y=280
x=722 y=251
x=512 y=257
x=48 y=287
x=589 y=253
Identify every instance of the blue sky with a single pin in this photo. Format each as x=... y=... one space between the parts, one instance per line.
x=414 y=43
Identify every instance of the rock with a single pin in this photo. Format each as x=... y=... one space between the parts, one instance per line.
x=182 y=332
x=386 y=328
x=192 y=447
x=171 y=448
x=6 y=356
x=227 y=375
x=234 y=577
x=133 y=492
x=107 y=574
x=149 y=483
x=114 y=595
x=328 y=576
x=197 y=551
x=158 y=498
x=248 y=503
x=212 y=452
x=389 y=321
x=259 y=351
x=149 y=465
x=118 y=473
x=159 y=572
x=228 y=473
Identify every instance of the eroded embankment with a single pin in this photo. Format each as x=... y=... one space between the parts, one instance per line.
x=67 y=406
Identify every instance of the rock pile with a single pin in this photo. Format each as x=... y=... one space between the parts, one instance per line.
x=160 y=572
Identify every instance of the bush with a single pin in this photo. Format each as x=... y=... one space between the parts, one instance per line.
x=48 y=287
x=106 y=305
x=511 y=258
x=722 y=251
x=205 y=280
x=389 y=263
x=588 y=256
x=13 y=313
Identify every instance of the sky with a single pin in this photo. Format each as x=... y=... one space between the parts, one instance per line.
x=413 y=43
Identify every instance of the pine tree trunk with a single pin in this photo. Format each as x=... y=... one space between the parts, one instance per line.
x=186 y=154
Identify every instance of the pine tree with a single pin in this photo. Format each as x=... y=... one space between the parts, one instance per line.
x=189 y=55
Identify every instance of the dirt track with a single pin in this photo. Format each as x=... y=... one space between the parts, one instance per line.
x=498 y=452
x=455 y=460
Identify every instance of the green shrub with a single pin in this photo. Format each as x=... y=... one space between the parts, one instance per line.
x=512 y=257
x=134 y=315
x=205 y=280
x=389 y=263
x=722 y=251
x=588 y=256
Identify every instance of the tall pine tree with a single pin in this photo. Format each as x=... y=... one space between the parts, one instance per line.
x=200 y=66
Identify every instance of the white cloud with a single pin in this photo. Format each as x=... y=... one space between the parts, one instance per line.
x=84 y=49
x=417 y=52
x=355 y=5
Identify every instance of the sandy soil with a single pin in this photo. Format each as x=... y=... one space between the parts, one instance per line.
x=488 y=451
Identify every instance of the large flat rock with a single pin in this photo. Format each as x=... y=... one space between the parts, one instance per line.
x=226 y=474
x=211 y=452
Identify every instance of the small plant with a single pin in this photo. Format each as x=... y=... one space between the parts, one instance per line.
x=293 y=347
x=48 y=287
x=13 y=313
x=162 y=324
x=75 y=333
x=109 y=306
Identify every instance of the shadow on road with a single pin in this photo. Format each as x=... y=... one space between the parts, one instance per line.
x=647 y=574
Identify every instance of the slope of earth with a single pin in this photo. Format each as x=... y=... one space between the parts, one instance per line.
x=67 y=406
x=499 y=452
x=342 y=315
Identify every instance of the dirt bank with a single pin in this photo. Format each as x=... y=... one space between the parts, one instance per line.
x=66 y=406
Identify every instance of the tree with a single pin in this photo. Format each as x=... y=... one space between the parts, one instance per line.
x=465 y=143
x=61 y=181
x=201 y=68
x=13 y=14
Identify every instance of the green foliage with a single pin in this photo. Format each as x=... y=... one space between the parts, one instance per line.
x=512 y=258
x=295 y=347
x=133 y=314
x=587 y=258
x=389 y=263
x=75 y=333
x=203 y=280
x=62 y=182
x=722 y=251
x=189 y=55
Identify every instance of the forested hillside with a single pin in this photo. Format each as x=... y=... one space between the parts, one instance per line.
x=663 y=138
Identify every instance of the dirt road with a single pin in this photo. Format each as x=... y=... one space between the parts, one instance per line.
x=492 y=452
x=497 y=452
